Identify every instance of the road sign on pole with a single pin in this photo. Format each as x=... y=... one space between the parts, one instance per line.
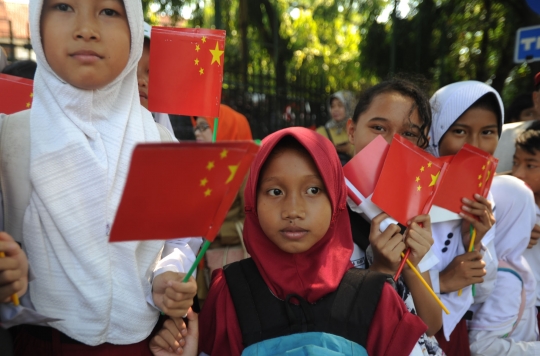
x=527 y=45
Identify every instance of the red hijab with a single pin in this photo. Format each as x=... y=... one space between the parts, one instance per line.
x=318 y=271
x=311 y=274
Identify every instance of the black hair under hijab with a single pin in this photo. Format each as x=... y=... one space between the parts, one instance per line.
x=407 y=89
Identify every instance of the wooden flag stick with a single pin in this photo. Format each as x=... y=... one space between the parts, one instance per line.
x=206 y=243
x=411 y=266
x=14 y=296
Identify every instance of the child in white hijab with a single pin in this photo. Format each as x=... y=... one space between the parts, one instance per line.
x=505 y=323
x=454 y=124
x=85 y=120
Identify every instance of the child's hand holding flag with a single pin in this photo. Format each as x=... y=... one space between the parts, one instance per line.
x=171 y=295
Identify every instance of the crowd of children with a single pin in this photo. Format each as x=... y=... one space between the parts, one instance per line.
x=319 y=279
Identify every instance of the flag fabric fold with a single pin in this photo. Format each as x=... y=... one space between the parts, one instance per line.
x=17 y=94
x=470 y=172
x=186 y=71
x=408 y=181
x=180 y=190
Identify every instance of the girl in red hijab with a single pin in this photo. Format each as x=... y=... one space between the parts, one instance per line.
x=297 y=232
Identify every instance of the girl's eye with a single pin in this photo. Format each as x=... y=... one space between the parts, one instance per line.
x=63 y=7
x=109 y=12
x=274 y=192
x=488 y=132
x=313 y=191
x=408 y=134
x=530 y=166
x=377 y=128
x=459 y=131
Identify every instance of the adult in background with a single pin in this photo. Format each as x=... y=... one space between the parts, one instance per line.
x=521 y=109
x=340 y=107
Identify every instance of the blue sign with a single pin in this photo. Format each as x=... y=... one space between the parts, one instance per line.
x=534 y=5
x=527 y=45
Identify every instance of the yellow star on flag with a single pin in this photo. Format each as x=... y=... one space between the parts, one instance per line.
x=27 y=105
x=223 y=154
x=483 y=167
x=434 y=179
x=203 y=39
x=233 y=170
x=204 y=182
x=31 y=95
x=479 y=176
x=429 y=164
x=487 y=178
x=208 y=192
x=196 y=61
x=216 y=54
x=210 y=165
x=479 y=184
x=417 y=179
x=201 y=71
x=422 y=169
x=418 y=188
x=197 y=48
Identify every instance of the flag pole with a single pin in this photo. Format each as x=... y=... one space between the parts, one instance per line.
x=425 y=284
x=472 y=232
x=206 y=243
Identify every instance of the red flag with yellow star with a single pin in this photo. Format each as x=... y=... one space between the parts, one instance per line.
x=17 y=94
x=180 y=190
x=408 y=181
x=186 y=71
x=470 y=172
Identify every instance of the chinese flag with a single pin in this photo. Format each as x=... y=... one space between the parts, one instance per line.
x=186 y=71
x=17 y=94
x=470 y=172
x=408 y=181
x=364 y=169
x=179 y=190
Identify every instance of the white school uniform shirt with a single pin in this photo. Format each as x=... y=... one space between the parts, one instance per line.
x=81 y=146
x=448 y=104
x=495 y=318
x=532 y=255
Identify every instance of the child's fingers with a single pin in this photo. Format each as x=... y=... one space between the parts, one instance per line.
x=376 y=224
x=9 y=275
x=10 y=248
x=189 y=288
x=421 y=234
x=7 y=290
x=424 y=220
x=480 y=199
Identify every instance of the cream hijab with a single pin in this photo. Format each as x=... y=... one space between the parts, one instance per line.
x=81 y=144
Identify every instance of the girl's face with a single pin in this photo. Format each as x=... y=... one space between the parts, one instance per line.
x=477 y=127
x=388 y=114
x=86 y=42
x=203 y=132
x=292 y=204
x=143 y=69
x=337 y=110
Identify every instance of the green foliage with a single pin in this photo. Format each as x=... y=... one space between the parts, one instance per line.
x=342 y=43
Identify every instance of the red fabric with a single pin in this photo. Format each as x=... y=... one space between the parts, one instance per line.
x=17 y=94
x=408 y=181
x=168 y=201
x=186 y=71
x=232 y=126
x=459 y=340
x=28 y=345
x=311 y=274
x=286 y=273
x=364 y=169
x=470 y=172
x=393 y=331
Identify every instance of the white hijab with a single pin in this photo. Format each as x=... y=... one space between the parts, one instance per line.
x=515 y=203
x=448 y=104
x=81 y=145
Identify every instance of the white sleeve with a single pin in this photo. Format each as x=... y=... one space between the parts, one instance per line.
x=24 y=313
x=178 y=256
x=483 y=290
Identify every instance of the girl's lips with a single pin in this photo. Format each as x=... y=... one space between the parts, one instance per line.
x=143 y=96
x=86 y=56
x=293 y=233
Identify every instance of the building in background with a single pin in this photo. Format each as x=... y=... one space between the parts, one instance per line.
x=15 y=30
